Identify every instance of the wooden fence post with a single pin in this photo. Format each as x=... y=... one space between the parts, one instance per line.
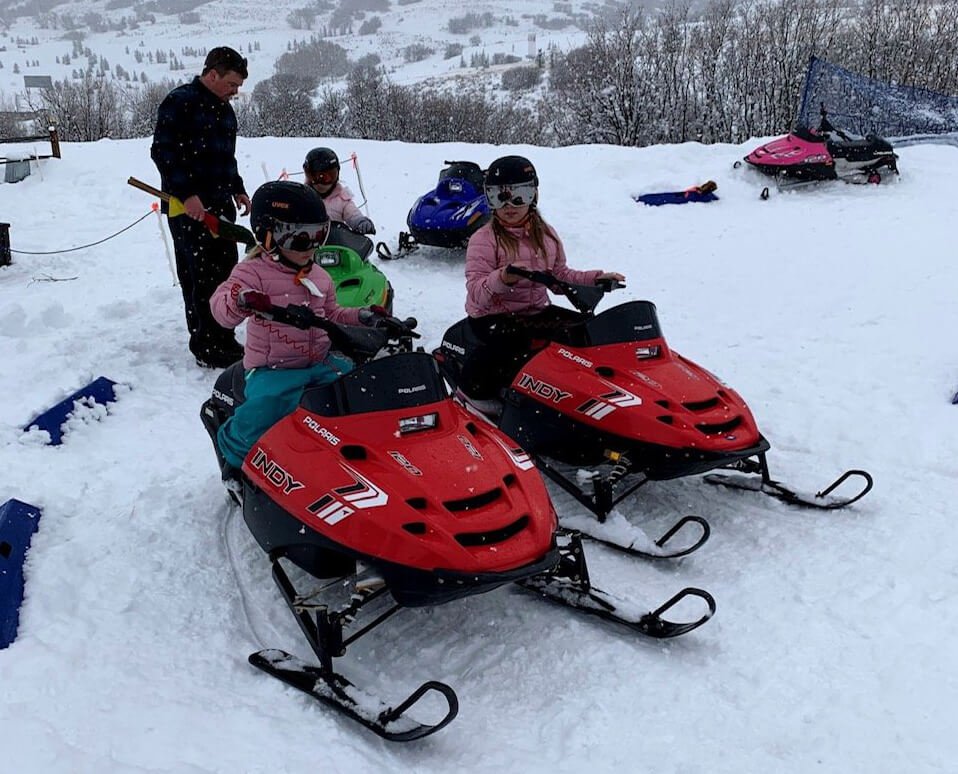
x=5 y=257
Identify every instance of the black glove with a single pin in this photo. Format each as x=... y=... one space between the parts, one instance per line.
x=364 y=226
x=253 y=301
x=371 y=314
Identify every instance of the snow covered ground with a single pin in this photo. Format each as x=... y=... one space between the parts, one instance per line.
x=832 y=311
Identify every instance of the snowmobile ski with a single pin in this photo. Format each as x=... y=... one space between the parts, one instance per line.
x=569 y=585
x=604 y=498
x=407 y=245
x=336 y=691
x=661 y=548
x=767 y=485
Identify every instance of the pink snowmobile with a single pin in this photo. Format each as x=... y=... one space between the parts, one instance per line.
x=811 y=155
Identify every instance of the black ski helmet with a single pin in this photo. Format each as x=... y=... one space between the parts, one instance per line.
x=511 y=170
x=319 y=160
x=283 y=201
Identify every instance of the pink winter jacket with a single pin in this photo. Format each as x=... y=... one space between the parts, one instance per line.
x=340 y=206
x=270 y=343
x=487 y=294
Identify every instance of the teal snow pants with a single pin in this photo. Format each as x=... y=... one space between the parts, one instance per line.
x=271 y=394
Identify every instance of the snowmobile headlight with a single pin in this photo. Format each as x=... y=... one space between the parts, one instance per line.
x=327 y=258
x=644 y=353
x=455 y=186
x=415 y=424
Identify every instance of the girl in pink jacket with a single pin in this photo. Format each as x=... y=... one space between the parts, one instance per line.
x=506 y=312
x=290 y=222
x=322 y=175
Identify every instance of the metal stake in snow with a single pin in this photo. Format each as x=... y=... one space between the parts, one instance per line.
x=169 y=255
x=359 y=178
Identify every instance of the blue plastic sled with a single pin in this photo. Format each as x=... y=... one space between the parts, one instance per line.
x=698 y=193
x=100 y=390
x=18 y=522
x=675 y=197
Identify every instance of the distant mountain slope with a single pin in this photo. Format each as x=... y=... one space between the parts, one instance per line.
x=168 y=38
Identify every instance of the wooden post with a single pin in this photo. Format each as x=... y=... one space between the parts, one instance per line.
x=5 y=257
x=54 y=142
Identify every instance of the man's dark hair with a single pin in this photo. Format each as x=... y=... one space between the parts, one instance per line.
x=224 y=59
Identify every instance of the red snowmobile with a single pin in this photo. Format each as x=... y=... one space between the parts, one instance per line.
x=606 y=391
x=382 y=481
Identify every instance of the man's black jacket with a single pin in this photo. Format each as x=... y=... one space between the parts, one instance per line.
x=194 y=147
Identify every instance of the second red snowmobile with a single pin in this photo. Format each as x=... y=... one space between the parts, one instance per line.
x=606 y=391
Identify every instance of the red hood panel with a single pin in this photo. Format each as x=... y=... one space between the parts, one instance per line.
x=408 y=497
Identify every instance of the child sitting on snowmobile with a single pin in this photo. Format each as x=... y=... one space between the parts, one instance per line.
x=322 y=175
x=506 y=312
x=290 y=222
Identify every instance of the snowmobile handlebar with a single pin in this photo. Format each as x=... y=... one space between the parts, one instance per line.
x=585 y=298
x=357 y=341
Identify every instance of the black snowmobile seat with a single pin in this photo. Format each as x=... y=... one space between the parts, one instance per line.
x=340 y=234
x=809 y=135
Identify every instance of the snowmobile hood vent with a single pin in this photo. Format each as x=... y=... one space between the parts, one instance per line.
x=473 y=539
x=476 y=501
x=719 y=428
x=701 y=405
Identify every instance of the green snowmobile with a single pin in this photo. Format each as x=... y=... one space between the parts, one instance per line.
x=345 y=256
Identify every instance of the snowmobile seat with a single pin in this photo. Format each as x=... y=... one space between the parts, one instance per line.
x=341 y=234
x=809 y=135
x=237 y=381
x=465 y=170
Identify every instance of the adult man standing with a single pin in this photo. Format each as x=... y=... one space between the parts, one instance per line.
x=194 y=148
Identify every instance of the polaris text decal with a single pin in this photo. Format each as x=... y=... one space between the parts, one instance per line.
x=321 y=431
x=222 y=396
x=575 y=358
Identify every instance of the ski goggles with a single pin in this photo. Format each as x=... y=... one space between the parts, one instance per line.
x=300 y=237
x=516 y=195
x=325 y=176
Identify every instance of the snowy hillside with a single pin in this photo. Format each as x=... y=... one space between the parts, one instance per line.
x=831 y=310
x=508 y=28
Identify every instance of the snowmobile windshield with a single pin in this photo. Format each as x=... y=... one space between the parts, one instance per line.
x=517 y=195
x=300 y=237
x=631 y=321
x=404 y=381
